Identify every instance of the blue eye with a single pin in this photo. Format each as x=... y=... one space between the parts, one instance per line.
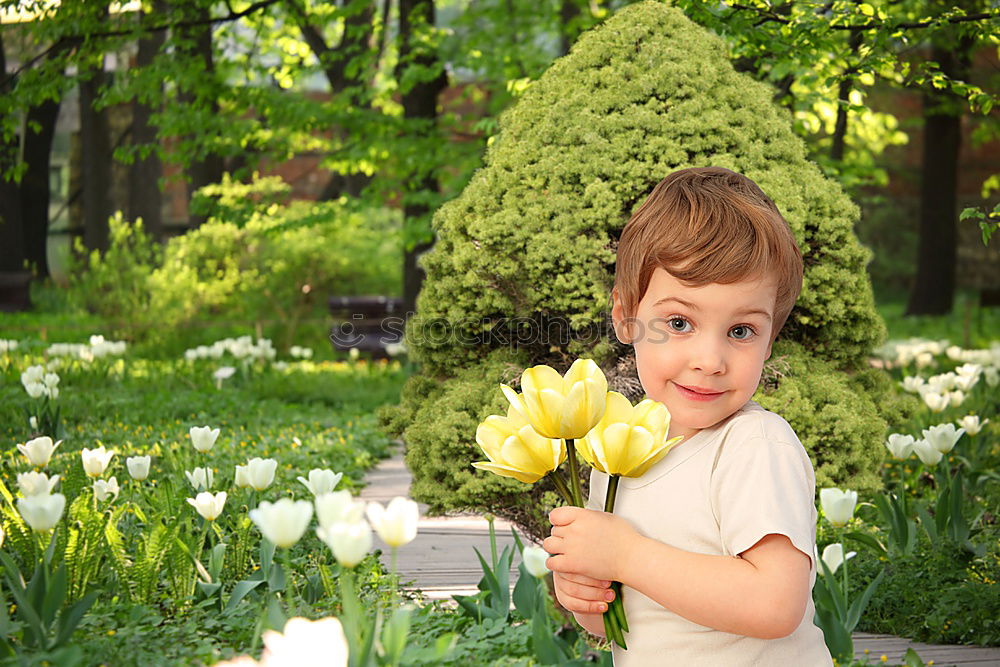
x=678 y=324
x=741 y=332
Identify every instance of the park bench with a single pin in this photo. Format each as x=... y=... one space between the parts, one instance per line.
x=366 y=323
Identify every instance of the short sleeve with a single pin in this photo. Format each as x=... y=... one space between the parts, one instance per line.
x=762 y=486
x=598 y=490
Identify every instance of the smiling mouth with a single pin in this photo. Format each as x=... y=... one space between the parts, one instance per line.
x=698 y=393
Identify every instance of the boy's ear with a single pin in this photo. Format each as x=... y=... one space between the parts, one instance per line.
x=622 y=332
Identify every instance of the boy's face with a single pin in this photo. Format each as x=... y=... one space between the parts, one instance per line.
x=699 y=350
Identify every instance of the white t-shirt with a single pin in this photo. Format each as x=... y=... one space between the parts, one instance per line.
x=719 y=492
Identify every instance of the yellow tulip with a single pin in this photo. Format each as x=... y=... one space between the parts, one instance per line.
x=517 y=450
x=560 y=406
x=628 y=440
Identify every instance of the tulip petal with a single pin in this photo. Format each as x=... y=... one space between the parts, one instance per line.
x=506 y=471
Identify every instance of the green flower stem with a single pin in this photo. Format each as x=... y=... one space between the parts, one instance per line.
x=560 y=484
x=609 y=500
x=574 y=473
x=286 y=557
x=843 y=565
x=616 y=609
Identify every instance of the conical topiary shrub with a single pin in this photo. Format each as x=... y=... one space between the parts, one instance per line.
x=529 y=247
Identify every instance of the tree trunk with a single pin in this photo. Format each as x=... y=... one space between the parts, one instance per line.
x=420 y=102
x=208 y=169
x=843 y=99
x=12 y=253
x=569 y=12
x=35 y=190
x=95 y=165
x=144 y=198
x=937 y=250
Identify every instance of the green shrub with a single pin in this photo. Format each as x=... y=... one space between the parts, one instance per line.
x=533 y=235
x=268 y=264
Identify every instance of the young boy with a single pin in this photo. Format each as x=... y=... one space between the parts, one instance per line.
x=714 y=544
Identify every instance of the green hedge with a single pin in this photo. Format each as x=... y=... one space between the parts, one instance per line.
x=533 y=235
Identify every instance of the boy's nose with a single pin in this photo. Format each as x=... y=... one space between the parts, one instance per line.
x=708 y=357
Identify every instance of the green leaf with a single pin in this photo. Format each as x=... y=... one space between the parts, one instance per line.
x=868 y=540
x=240 y=591
x=859 y=604
x=69 y=619
x=525 y=592
x=54 y=596
x=837 y=638
x=395 y=634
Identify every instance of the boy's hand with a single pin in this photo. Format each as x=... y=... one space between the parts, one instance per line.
x=582 y=594
x=588 y=542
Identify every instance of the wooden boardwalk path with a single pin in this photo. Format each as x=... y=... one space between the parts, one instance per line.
x=441 y=562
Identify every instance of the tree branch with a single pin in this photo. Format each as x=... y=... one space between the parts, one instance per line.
x=142 y=30
x=873 y=25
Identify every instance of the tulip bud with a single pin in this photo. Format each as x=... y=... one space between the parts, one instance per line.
x=103 y=490
x=39 y=451
x=321 y=481
x=304 y=642
x=900 y=446
x=338 y=507
x=209 y=506
x=95 y=461
x=534 y=560
x=203 y=438
x=561 y=406
x=350 y=542
x=928 y=453
x=201 y=478
x=935 y=401
x=42 y=512
x=283 y=522
x=397 y=523
x=833 y=556
x=260 y=472
x=971 y=424
x=138 y=467
x=837 y=505
x=942 y=437
x=36 y=483
x=241 y=479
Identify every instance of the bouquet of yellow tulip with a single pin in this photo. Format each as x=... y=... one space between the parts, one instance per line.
x=557 y=415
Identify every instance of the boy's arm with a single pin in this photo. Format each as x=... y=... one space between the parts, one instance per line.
x=761 y=594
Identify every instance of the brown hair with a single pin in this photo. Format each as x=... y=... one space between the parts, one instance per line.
x=708 y=225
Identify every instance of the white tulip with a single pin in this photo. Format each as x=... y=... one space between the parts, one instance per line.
x=534 y=560
x=201 y=478
x=95 y=461
x=138 y=467
x=955 y=398
x=321 y=481
x=943 y=436
x=900 y=446
x=833 y=556
x=966 y=382
x=350 y=542
x=838 y=506
x=954 y=352
x=50 y=380
x=103 y=490
x=32 y=375
x=924 y=359
x=36 y=390
x=338 y=507
x=42 y=512
x=260 y=472
x=283 y=522
x=306 y=643
x=928 y=453
x=39 y=451
x=203 y=438
x=912 y=383
x=396 y=524
x=992 y=375
x=935 y=401
x=209 y=506
x=971 y=424
x=36 y=483
x=33 y=423
x=241 y=479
